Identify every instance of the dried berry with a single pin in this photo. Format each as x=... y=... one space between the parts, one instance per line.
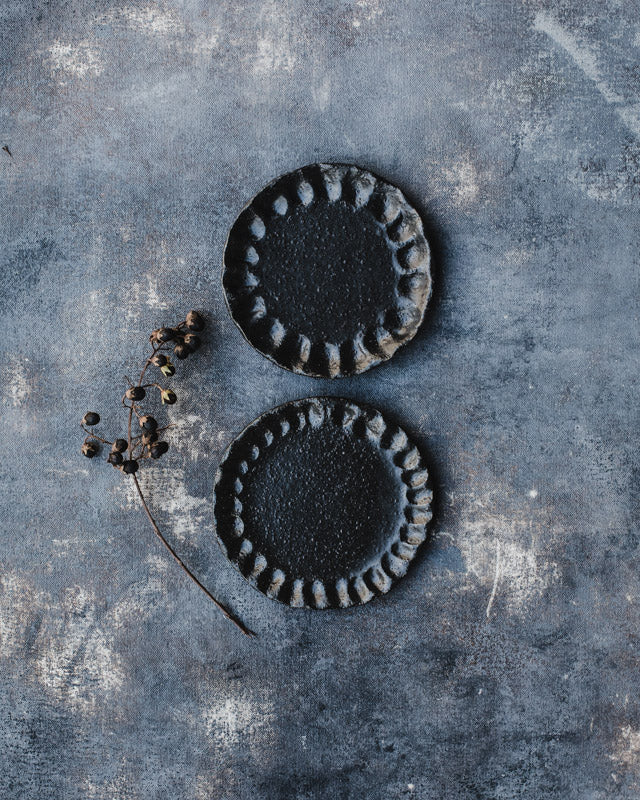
x=91 y=418
x=166 y=334
x=192 y=342
x=181 y=351
x=158 y=449
x=159 y=360
x=135 y=393
x=115 y=458
x=149 y=437
x=168 y=396
x=119 y=446
x=90 y=449
x=168 y=370
x=130 y=467
x=148 y=422
x=195 y=322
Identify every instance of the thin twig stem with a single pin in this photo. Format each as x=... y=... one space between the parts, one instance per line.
x=95 y=435
x=137 y=451
x=228 y=614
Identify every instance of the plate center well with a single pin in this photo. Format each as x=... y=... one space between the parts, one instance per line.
x=326 y=270
x=322 y=499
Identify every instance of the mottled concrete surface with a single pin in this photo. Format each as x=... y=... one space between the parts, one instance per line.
x=506 y=665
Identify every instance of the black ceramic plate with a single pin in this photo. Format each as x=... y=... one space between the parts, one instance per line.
x=322 y=503
x=326 y=271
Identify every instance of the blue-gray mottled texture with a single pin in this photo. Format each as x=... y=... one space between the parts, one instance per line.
x=506 y=664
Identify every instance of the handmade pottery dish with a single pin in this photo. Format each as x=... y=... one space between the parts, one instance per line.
x=322 y=503
x=327 y=270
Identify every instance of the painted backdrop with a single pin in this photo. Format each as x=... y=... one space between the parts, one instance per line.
x=506 y=664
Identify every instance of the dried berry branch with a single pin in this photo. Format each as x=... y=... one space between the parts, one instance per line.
x=184 y=340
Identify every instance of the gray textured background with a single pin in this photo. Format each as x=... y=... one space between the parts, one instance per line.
x=137 y=133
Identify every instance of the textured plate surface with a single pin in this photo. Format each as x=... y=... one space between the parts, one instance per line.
x=322 y=503
x=326 y=271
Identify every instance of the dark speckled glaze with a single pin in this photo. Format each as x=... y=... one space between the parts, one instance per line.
x=326 y=271
x=322 y=503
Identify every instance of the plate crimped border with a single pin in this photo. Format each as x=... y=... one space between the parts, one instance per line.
x=352 y=588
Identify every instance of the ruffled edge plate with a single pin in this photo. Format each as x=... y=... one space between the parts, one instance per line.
x=354 y=587
x=404 y=233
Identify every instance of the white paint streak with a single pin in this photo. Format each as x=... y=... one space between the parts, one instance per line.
x=587 y=62
x=152 y=20
x=78 y=60
x=145 y=292
x=15 y=383
x=165 y=490
x=164 y=25
x=19 y=603
x=496 y=578
x=153 y=299
x=188 y=513
x=192 y=436
x=583 y=57
x=273 y=54
x=365 y=11
x=76 y=662
x=231 y=720
x=627 y=752
x=321 y=94
x=277 y=41
x=518 y=256
x=116 y=788
x=461 y=181
x=76 y=657
x=520 y=570
x=69 y=473
x=205 y=44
